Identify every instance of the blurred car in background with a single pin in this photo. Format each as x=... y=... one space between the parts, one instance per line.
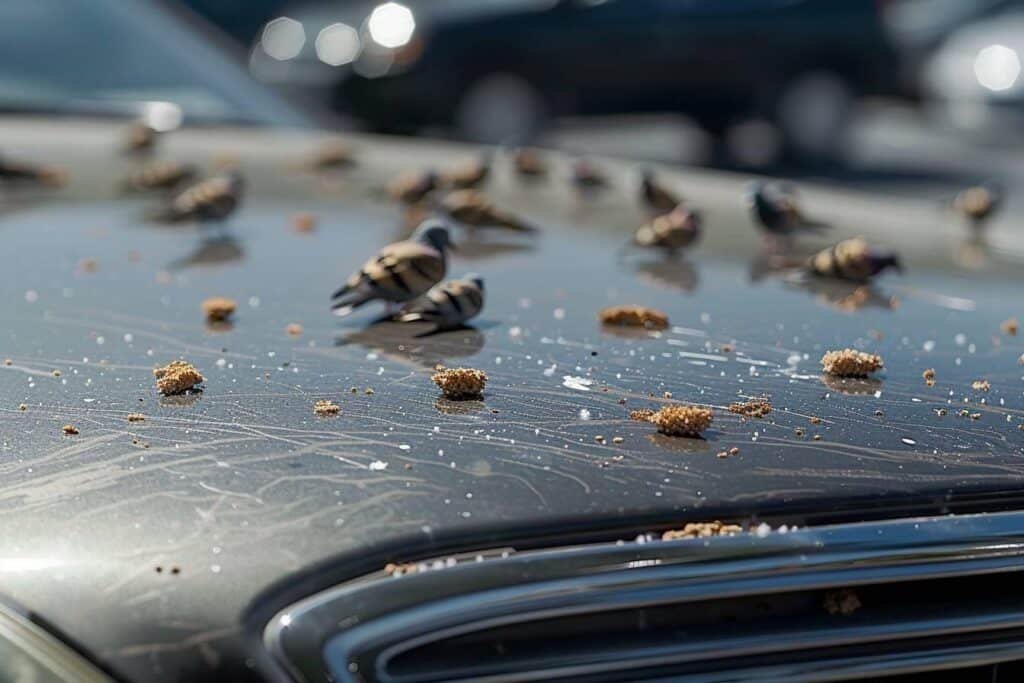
x=974 y=76
x=498 y=71
x=112 y=58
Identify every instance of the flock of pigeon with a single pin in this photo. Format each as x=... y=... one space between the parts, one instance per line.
x=408 y=276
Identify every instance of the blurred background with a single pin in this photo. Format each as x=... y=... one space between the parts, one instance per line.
x=900 y=93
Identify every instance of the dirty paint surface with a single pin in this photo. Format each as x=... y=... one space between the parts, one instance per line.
x=235 y=487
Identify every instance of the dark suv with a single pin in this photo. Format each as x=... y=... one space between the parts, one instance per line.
x=498 y=71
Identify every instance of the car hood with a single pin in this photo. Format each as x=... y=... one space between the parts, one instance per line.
x=163 y=534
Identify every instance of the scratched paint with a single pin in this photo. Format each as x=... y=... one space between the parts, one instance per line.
x=245 y=467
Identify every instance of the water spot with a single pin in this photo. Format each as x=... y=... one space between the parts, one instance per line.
x=378 y=465
x=577 y=383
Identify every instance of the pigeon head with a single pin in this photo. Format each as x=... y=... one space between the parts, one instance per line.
x=475 y=279
x=755 y=191
x=435 y=234
x=880 y=262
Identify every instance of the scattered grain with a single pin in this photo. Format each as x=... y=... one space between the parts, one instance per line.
x=1010 y=326
x=755 y=407
x=641 y=415
x=842 y=602
x=634 y=316
x=293 y=330
x=368 y=391
x=682 y=420
x=136 y=417
x=815 y=420
x=22 y=407
x=617 y=439
x=177 y=377
x=218 y=308
x=981 y=385
x=304 y=222
x=8 y=361
x=799 y=431
x=734 y=451
x=69 y=430
x=460 y=383
x=702 y=530
x=850 y=363
x=325 y=407
x=56 y=373
x=599 y=438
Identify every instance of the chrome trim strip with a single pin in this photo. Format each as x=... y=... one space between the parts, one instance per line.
x=378 y=610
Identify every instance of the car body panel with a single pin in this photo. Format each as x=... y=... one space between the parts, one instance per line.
x=256 y=502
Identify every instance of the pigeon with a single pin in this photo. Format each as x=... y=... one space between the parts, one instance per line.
x=656 y=196
x=852 y=260
x=586 y=176
x=213 y=199
x=159 y=175
x=776 y=210
x=528 y=162
x=12 y=171
x=979 y=203
x=399 y=272
x=449 y=304
x=412 y=187
x=678 y=229
x=333 y=153
x=469 y=175
x=140 y=138
x=473 y=208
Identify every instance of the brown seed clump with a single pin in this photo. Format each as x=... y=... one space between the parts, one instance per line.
x=325 y=407
x=841 y=602
x=634 y=316
x=293 y=330
x=682 y=420
x=136 y=417
x=850 y=363
x=755 y=407
x=815 y=420
x=218 y=308
x=641 y=414
x=702 y=530
x=981 y=385
x=304 y=222
x=1010 y=326
x=69 y=430
x=460 y=383
x=177 y=377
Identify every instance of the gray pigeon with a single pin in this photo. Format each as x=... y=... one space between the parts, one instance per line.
x=449 y=304
x=776 y=210
x=399 y=272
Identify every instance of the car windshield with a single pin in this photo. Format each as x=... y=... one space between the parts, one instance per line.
x=112 y=57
